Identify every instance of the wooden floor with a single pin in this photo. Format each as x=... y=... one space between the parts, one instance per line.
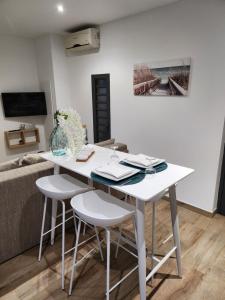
x=203 y=260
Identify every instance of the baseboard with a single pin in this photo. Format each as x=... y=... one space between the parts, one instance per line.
x=193 y=208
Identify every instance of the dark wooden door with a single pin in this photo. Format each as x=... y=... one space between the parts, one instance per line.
x=101 y=107
x=221 y=196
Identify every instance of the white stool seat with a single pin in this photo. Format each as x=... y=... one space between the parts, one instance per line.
x=101 y=209
x=61 y=186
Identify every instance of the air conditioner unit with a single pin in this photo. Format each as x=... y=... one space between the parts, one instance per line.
x=84 y=40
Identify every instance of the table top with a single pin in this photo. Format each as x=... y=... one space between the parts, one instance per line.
x=145 y=190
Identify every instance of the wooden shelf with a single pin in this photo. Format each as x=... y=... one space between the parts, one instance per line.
x=22 y=136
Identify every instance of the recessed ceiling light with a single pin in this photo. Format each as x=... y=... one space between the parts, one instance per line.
x=60 y=8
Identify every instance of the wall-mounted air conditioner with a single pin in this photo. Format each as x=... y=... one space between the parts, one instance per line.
x=81 y=41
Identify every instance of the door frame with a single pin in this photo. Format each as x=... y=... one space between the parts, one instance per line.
x=221 y=194
x=95 y=123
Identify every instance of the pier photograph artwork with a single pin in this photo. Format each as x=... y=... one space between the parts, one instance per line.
x=166 y=78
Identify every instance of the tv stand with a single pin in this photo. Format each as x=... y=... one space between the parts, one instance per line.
x=22 y=138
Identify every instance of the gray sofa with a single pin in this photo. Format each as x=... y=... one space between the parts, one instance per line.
x=21 y=206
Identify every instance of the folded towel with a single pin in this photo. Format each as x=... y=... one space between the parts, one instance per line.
x=114 y=170
x=85 y=153
x=142 y=159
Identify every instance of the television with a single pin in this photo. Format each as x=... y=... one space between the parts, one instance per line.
x=24 y=104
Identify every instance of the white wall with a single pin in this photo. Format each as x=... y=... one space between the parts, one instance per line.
x=60 y=72
x=18 y=73
x=53 y=76
x=185 y=131
x=46 y=78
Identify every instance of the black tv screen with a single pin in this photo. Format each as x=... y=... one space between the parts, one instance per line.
x=24 y=104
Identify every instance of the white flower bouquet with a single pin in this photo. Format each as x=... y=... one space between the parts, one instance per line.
x=71 y=123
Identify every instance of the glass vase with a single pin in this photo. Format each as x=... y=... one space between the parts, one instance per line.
x=58 y=141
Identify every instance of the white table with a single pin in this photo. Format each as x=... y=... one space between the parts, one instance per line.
x=149 y=189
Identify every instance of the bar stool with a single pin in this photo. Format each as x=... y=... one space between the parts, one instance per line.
x=101 y=209
x=59 y=187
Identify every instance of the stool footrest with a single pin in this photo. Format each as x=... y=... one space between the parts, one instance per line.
x=127 y=241
x=56 y=226
x=124 y=248
x=167 y=239
x=84 y=242
x=121 y=280
x=87 y=254
x=156 y=259
x=65 y=222
x=66 y=212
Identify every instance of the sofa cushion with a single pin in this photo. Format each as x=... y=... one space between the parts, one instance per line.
x=9 y=165
x=106 y=143
x=119 y=147
x=31 y=158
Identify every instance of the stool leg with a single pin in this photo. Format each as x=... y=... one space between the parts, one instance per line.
x=153 y=234
x=109 y=190
x=63 y=244
x=74 y=257
x=74 y=220
x=108 y=264
x=54 y=209
x=118 y=241
x=54 y=213
x=84 y=229
x=135 y=228
x=90 y=183
x=175 y=226
x=42 y=228
x=99 y=244
x=120 y=230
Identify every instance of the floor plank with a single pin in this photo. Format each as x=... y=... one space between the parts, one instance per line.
x=203 y=260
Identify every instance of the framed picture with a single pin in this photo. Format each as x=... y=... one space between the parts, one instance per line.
x=166 y=78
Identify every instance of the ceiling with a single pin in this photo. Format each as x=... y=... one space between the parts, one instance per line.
x=32 y=18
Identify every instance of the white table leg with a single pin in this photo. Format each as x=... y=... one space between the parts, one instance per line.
x=90 y=182
x=63 y=246
x=140 y=223
x=54 y=210
x=175 y=225
x=153 y=234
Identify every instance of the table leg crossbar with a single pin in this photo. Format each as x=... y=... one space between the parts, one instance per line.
x=160 y=262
